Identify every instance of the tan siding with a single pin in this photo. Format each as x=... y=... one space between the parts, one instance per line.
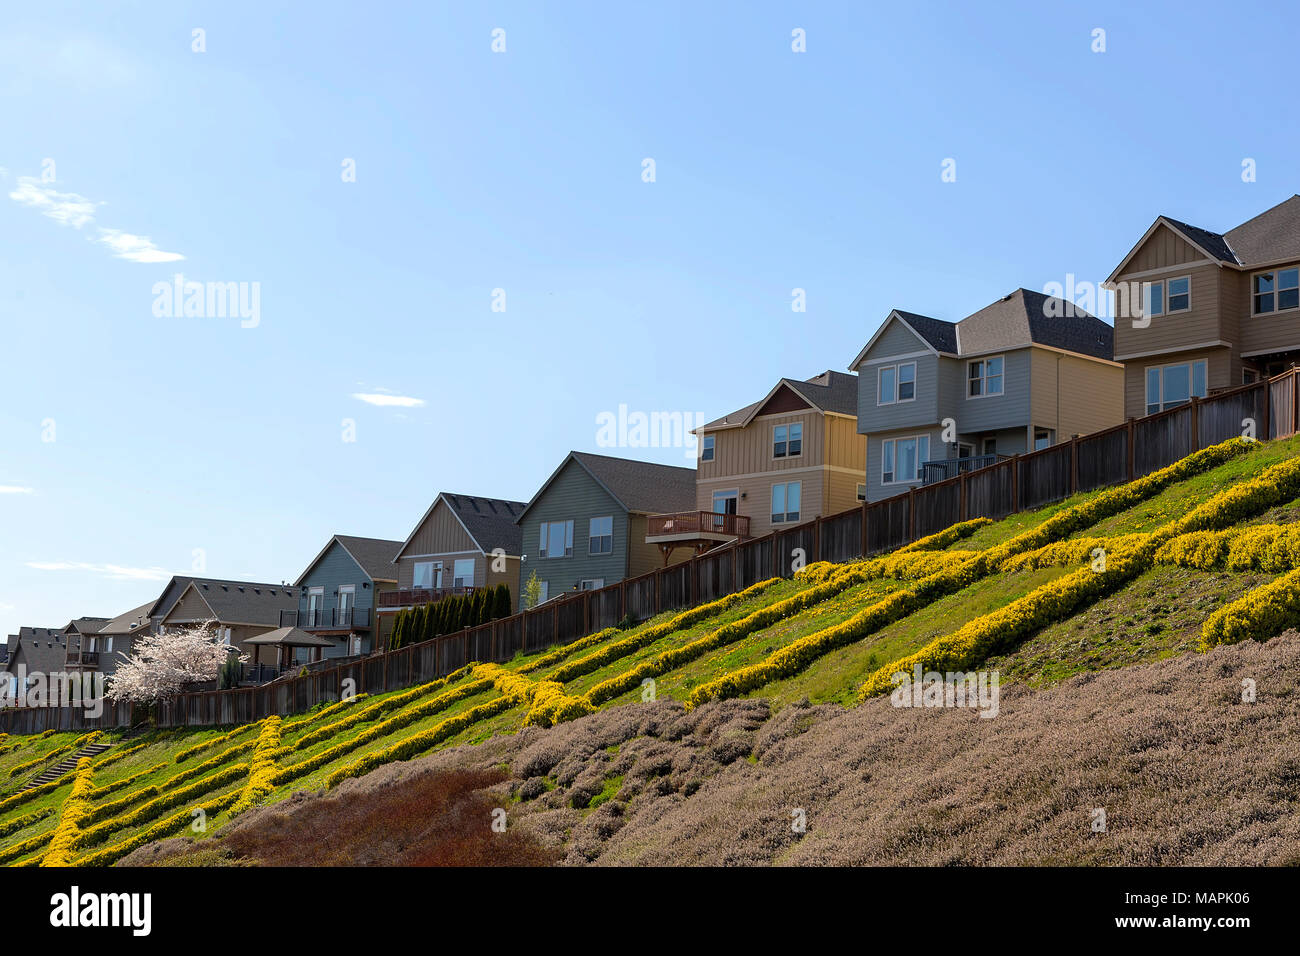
x=1164 y=248
x=406 y=567
x=1167 y=333
x=757 y=500
x=644 y=557
x=1219 y=374
x=845 y=448
x=1279 y=331
x=440 y=533
x=740 y=451
x=191 y=607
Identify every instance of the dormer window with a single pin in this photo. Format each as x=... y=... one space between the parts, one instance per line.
x=1275 y=291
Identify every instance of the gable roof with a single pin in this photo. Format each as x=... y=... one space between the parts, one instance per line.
x=374 y=556
x=177 y=584
x=489 y=522
x=936 y=334
x=84 y=625
x=129 y=622
x=830 y=391
x=1271 y=236
x=43 y=649
x=641 y=487
x=242 y=602
x=1025 y=317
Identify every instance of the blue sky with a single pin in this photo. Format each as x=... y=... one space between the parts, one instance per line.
x=132 y=442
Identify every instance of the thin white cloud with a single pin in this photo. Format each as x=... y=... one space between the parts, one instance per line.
x=67 y=209
x=70 y=209
x=15 y=490
x=388 y=400
x=135 y=248
x=114 y=572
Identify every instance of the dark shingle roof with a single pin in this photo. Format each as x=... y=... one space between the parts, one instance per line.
x=85 y=625
x=642 y=486
x=42 y=649
x=375 y=555
x=129 y=622
x=246 y=602
x=1213 y=243
x=830 y=391
x=1023 y=317
x=489 y=521
x=941 y=335
x=1273 y=234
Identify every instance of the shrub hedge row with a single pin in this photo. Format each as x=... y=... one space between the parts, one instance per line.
x=71 y=818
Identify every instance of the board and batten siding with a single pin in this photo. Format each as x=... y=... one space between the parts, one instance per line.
x=748 y=450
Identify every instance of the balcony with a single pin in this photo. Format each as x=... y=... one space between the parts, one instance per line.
x=696 y=525
x=941 y=469
x=79 y=658
x=328 y=619
x=410 y=597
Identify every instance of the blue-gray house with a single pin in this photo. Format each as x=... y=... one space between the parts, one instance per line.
x=937 y=398
x=339 y=593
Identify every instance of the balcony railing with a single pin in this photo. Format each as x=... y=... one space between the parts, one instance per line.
x=408 y=597
x=941 y=469
x=84 y=658
x=327 y=618
x=697 y=522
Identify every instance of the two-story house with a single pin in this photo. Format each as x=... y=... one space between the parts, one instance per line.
x=33 y=650
x=791 y=456
x=936 y=398
x=1200 y=311
x=462 y=542
x=339 y=591
x=239 y=610
x=102 y=650
x=586 y=527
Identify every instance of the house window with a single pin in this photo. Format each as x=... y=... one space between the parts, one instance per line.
x=787 y=440
x=984 y=377
x=1042 y=438
x=785 y=501
x=1249 y=376
x=462 y=573
x=897 y=383
x=108 y=645
x=1276 y=291
x=1180 y=294
x=557 y=539
x=422 y=578
x=706 y=448
x=591 y=584
x=862 y=492
x=1175 y=296
x=990 y=446
x=901 y=459
x=600 y=536
x=1154 y=298
x=1169 y=386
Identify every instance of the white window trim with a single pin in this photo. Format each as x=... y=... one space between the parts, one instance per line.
x=591 y=538
x=771 y=493
x=895 y=400
x=1276 y=290
x=919 y=460
x=568 y=539
x=787 y=456
x=1168 y=310
x=1191 y=381
x=984 y=378
x=473 y=569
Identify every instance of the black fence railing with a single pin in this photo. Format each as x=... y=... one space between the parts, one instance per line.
x=326 y=618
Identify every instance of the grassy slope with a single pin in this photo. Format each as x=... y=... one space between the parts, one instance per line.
x=1156 y=616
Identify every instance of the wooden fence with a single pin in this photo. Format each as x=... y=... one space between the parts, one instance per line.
x=1110 y=457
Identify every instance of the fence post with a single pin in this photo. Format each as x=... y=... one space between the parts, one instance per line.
x=1074 y=464
x=1015 y=482
x=776 y=555
x=817 y=538
x=1196 y=424
x=1130 y=450
x=911 y=514
x=865 y=537
x=622 y=600
x=961 y=508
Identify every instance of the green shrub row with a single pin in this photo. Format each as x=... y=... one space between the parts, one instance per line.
x=165 y=801
x=165 y=828
x=449 y=615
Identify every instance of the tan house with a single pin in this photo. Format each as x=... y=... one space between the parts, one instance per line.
x=462 y=542
x=791 y=456
x=1200 y=311
x=240 y=610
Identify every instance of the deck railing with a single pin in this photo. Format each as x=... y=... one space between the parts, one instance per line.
x=697 y=522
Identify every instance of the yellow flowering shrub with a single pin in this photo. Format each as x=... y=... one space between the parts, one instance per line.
x=164 y=828
x=568 y=650
x=262 y=768
x=14 y=824
x=1258 y=615
x=1264 y=547
x=71 y=818
x=948 y=536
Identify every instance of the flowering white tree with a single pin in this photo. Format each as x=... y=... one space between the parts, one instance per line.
x=163 y=664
